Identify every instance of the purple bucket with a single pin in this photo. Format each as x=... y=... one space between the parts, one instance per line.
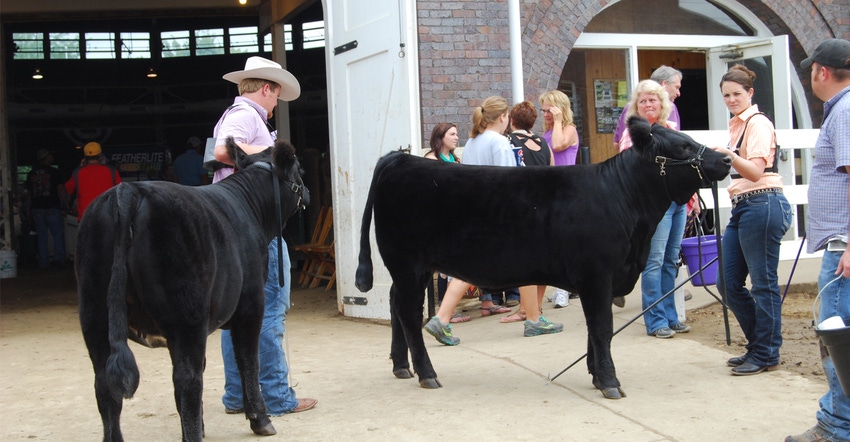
x=691 y=248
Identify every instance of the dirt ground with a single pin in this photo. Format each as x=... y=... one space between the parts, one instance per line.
x=799 y=352
x=43 y=362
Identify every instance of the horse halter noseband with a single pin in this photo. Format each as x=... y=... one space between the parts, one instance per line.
x=297 y=189
x=695 y=161
x=294 y=187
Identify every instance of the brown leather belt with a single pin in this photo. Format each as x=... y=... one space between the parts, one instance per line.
x=740 y=197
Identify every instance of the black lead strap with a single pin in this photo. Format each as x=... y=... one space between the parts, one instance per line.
x=775 y=167
x=279 y=230
x=296 y=189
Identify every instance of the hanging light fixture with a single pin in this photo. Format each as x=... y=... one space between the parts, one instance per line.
x=151 y=73
x=243 y=2
x=37 y=75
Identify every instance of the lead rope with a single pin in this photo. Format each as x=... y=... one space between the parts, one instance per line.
x=794 y=267
x=276 y=185
x=280 y=275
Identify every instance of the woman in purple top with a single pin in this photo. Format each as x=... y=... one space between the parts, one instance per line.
x=558 y=127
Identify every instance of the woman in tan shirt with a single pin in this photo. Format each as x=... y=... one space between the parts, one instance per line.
x=760 y=217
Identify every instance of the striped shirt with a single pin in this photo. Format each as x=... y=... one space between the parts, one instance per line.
x=758 y=143
x=244 y=122
x=829 y=210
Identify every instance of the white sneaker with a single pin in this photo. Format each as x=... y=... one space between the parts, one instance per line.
x=561 y=298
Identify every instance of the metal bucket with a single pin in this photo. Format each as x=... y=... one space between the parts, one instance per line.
x=837 y=344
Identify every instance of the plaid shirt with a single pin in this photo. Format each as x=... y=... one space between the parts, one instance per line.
x=829 y=207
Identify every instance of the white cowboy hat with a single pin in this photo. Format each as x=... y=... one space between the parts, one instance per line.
x=259 y=67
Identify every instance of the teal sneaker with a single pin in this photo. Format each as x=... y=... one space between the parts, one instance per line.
x=443 y=332
x=542 y=327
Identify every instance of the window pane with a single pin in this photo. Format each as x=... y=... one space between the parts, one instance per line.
x=267 y=42
x=64 y=45
x=209 y=42
x=243 y=40
x=135 y=45
x=287 y=37
x=314 y=34
x=100 y=45
x=28 y=45
x=175 y=44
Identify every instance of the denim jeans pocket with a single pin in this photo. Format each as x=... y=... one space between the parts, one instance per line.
x=759 y=200
x=787 y=211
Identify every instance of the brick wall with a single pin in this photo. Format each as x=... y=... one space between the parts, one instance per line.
x=464 y=57
x=465 y=53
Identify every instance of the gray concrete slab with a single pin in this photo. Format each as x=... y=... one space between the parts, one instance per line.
x=494 y=384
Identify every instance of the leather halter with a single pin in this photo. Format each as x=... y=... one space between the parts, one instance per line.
x=695 y=161
x=295 y=188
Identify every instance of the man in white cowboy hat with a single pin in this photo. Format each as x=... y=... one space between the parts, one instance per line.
x=261 y=84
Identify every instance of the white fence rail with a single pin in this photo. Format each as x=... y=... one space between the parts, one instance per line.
x=794 y=166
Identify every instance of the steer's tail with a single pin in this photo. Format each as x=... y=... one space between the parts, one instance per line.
x=122 y=373
x=363 y=280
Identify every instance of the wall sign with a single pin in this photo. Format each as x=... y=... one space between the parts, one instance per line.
x=611 y=97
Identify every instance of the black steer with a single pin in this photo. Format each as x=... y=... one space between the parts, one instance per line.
x=160 y=259
x=586 y=229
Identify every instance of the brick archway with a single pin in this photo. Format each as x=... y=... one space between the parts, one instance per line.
x=465 y=54
x=550 y=30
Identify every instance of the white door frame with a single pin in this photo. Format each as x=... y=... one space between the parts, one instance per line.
x=373 y=108
x=702 y=43
x=718 y=59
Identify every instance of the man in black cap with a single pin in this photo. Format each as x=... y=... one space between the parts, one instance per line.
x=46 y=196
x=829 y=222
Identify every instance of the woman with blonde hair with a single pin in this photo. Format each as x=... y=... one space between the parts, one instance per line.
x=651 y=102
x=561 y=134
x=487 y=145
x=558 y=127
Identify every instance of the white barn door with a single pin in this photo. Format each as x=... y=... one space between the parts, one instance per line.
x=373 y=101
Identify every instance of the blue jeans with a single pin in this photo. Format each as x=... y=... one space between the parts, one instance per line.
x=50 y=220
x=659 y=276
x=510 y=294
x=834 y=413
x=274 y=372
x=751 y=247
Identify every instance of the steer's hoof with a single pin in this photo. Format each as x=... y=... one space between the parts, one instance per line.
x=403 y=373
x=613 y=393
x=430 y=383
x=263 y=427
